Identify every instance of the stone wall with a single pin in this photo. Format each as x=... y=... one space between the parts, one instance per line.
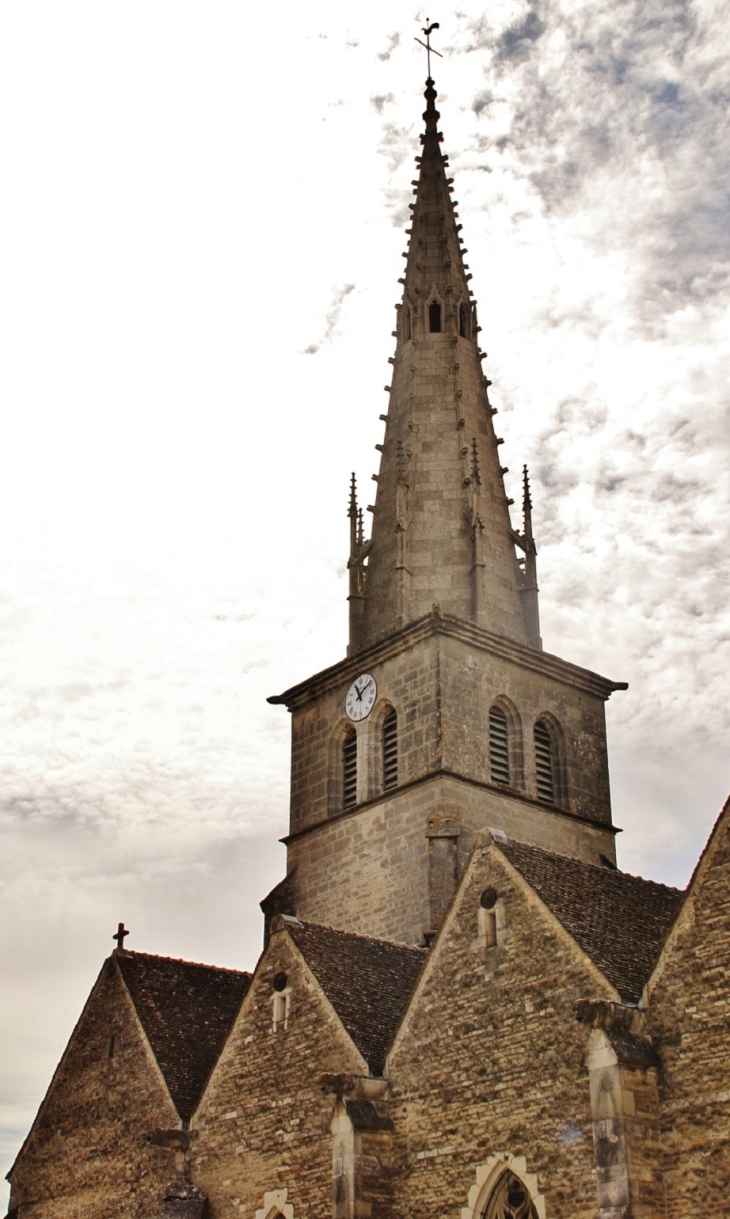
x=489 y=1061
x=368 y=871
x=264 y=1123
x=87 y=1154
x=689 y=1017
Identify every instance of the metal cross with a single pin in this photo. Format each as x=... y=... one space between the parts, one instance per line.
x=427 y=44
x=119 y=937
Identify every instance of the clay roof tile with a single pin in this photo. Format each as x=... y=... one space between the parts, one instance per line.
x=620 y=921
x=367 y=981
x=187 y=1011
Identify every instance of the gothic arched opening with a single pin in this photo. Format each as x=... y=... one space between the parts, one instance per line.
x=434 y=317
x=349 y=769
x=510 y=1199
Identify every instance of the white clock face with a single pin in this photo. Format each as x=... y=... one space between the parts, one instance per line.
x=361 y=697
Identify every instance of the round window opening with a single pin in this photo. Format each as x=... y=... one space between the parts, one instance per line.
x=280 y=981
x=510 y=1199
x=488 y=900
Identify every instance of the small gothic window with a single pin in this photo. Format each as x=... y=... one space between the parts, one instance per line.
x=498 y=746
x=434 y=317
x=510 y=1199
x=349 y=770
x=463 y=321
x=390 y=750
x=545 y=763
x=407 y=322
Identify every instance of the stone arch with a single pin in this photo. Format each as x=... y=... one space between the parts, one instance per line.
x=276 y=1206
x=491 y=1178
x=560 y=768
x=434 y=310
x=334 y=765
x=515 y=738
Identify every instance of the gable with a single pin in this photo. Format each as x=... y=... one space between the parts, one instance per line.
x=489 y=1056
x=263 y=1122
x=105 y=1097
x=187 y=1011
x=688 y=999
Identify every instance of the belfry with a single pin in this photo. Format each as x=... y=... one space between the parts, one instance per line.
x=463 y=1009
x=477 y=727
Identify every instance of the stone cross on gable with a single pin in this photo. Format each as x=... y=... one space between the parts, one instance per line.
x=119 y=937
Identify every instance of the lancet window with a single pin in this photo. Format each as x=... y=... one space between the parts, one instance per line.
x=434 y=317
x=498 y=746
x=349 y=769
x=510 y=1199
x=390 y=750
x=545 y=763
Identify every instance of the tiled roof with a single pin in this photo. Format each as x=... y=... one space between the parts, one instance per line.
x=187 y=1011
x=619 y=921
x=367 y=981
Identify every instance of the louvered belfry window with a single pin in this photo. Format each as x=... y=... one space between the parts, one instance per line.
x=498 y=746
x=349 y=770
x=390 y=751
x=545 y=763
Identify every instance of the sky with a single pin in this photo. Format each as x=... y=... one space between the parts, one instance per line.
x=202 y=224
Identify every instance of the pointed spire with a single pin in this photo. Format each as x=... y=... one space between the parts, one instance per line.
x=441 y=528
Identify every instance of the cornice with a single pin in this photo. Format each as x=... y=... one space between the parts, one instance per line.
x=434 y=624
x=509 y=793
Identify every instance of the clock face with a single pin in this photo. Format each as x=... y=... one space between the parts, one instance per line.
x=361 y=697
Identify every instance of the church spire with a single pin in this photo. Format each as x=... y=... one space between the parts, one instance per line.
x=441 y=529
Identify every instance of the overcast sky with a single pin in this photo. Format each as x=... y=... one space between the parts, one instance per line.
x=202 y=221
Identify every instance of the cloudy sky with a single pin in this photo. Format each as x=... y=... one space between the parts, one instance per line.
x=202 y=222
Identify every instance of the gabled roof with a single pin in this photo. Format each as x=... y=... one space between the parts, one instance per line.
x=367 y=981
x=187 y=1011
x=620 y=921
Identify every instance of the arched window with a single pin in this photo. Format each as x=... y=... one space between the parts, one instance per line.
x=434 y=317
x=510 y=1199
x=349 y=769
x=545 y=763
x=464 y=321
x=498 y=746
x=390 y=750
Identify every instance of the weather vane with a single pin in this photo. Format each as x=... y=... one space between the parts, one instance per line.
x=427 y=44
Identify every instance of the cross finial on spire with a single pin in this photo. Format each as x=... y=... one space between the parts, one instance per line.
x=119 y=937
x=427 y=30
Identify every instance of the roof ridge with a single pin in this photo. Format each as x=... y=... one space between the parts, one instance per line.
x=358 y=935
x=154 y=956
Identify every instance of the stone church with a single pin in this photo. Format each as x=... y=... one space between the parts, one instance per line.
x=463 y=1009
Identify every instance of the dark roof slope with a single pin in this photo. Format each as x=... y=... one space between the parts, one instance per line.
x=620 y=921
x=187 y=1011
x=367 y=981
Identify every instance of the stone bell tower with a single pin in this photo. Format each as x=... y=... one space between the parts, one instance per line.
x=446 y=718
